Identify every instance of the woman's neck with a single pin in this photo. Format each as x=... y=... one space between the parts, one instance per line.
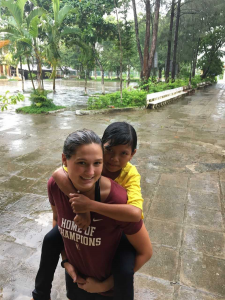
x=111 y=175
x=90 y=193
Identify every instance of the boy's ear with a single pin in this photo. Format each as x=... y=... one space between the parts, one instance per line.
x=64 y=161
x=132 y=154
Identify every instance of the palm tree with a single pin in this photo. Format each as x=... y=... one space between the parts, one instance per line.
x=23 y=31
x=55 y=30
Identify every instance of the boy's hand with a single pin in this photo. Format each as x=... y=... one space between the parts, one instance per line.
x=79 y=203
x=73 y=274
x=92 y=285
x=83 y=220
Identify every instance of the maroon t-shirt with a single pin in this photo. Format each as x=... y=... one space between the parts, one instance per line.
x=91 y=252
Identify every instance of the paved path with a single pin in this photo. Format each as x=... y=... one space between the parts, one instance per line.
x=181 y=158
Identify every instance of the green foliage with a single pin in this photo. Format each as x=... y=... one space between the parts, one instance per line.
x=48 y=74
x=5 y=100
x=39 y=99
x=33 y=75
x=130 y=99
x=33 y=109
x=3 y=77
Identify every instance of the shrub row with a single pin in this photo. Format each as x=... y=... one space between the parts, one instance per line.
x=132 y=98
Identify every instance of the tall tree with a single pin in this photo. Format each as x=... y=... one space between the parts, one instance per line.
x=55 y=29
x=24 y=30
x=137 y=37
x=175 y=41
x=169 y=42
x=154 y=37
x=147 y=41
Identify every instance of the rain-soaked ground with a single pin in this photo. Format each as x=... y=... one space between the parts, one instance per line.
x=181 y=157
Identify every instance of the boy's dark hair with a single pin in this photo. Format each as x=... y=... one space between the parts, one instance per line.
x=120 y=133
x=79 y=138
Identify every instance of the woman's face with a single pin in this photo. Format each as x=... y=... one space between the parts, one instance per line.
x=85 y=166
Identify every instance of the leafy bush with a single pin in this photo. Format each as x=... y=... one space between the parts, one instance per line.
x=130 y=98
x=48 y=74
x=39 y=98
x=32 y=75
x=5 y=100
x=3 y=77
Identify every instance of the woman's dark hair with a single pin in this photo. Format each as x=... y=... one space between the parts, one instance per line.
x=79 y=138
x=120 y=133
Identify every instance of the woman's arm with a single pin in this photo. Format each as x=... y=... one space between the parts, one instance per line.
x=119 y=212
x=55 y=216
x=142 y=244
x=62 y=180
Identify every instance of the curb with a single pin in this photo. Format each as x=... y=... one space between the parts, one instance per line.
x=106 y=111
x=55 y=111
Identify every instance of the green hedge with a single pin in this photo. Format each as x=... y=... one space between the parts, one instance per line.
x=132 y=98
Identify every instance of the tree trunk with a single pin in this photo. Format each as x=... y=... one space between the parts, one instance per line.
x=85 y=83
x=160 y=74
x=53 y=77
x=189 y=83
x=95 y=74
x=102 y=80
x=39 y=71
x=195 y=59
x=117 y=73
x=53 y=84
x=101 y=68
x=175 y=41
x=154 y=37
x=137 y=37
x=128 y=75
x=28 y=64
x=147 y=41
x=121 y=53
x=39 y=67
x=17 y=72
x=169 y=42
x=21 y=67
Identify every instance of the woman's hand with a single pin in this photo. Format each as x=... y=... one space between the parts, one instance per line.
x=93 y=285
x=79 y=203
x=83 y=220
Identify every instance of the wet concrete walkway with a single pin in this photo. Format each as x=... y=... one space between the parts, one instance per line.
x=181 y=158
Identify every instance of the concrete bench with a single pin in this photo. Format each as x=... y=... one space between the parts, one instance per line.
x=162 y=98
x=203 y=84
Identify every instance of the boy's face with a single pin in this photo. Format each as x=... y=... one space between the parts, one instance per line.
x=115 y=158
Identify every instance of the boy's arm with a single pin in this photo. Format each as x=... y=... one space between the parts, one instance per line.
x=119 y=212
x=62 y=180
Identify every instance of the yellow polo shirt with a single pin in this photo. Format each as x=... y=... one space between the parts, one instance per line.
x=129 y=179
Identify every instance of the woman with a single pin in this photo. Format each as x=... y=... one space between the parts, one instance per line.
x=90 y=252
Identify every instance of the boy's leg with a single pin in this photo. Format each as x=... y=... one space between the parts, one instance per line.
x=51 y=249
x=123 y=270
